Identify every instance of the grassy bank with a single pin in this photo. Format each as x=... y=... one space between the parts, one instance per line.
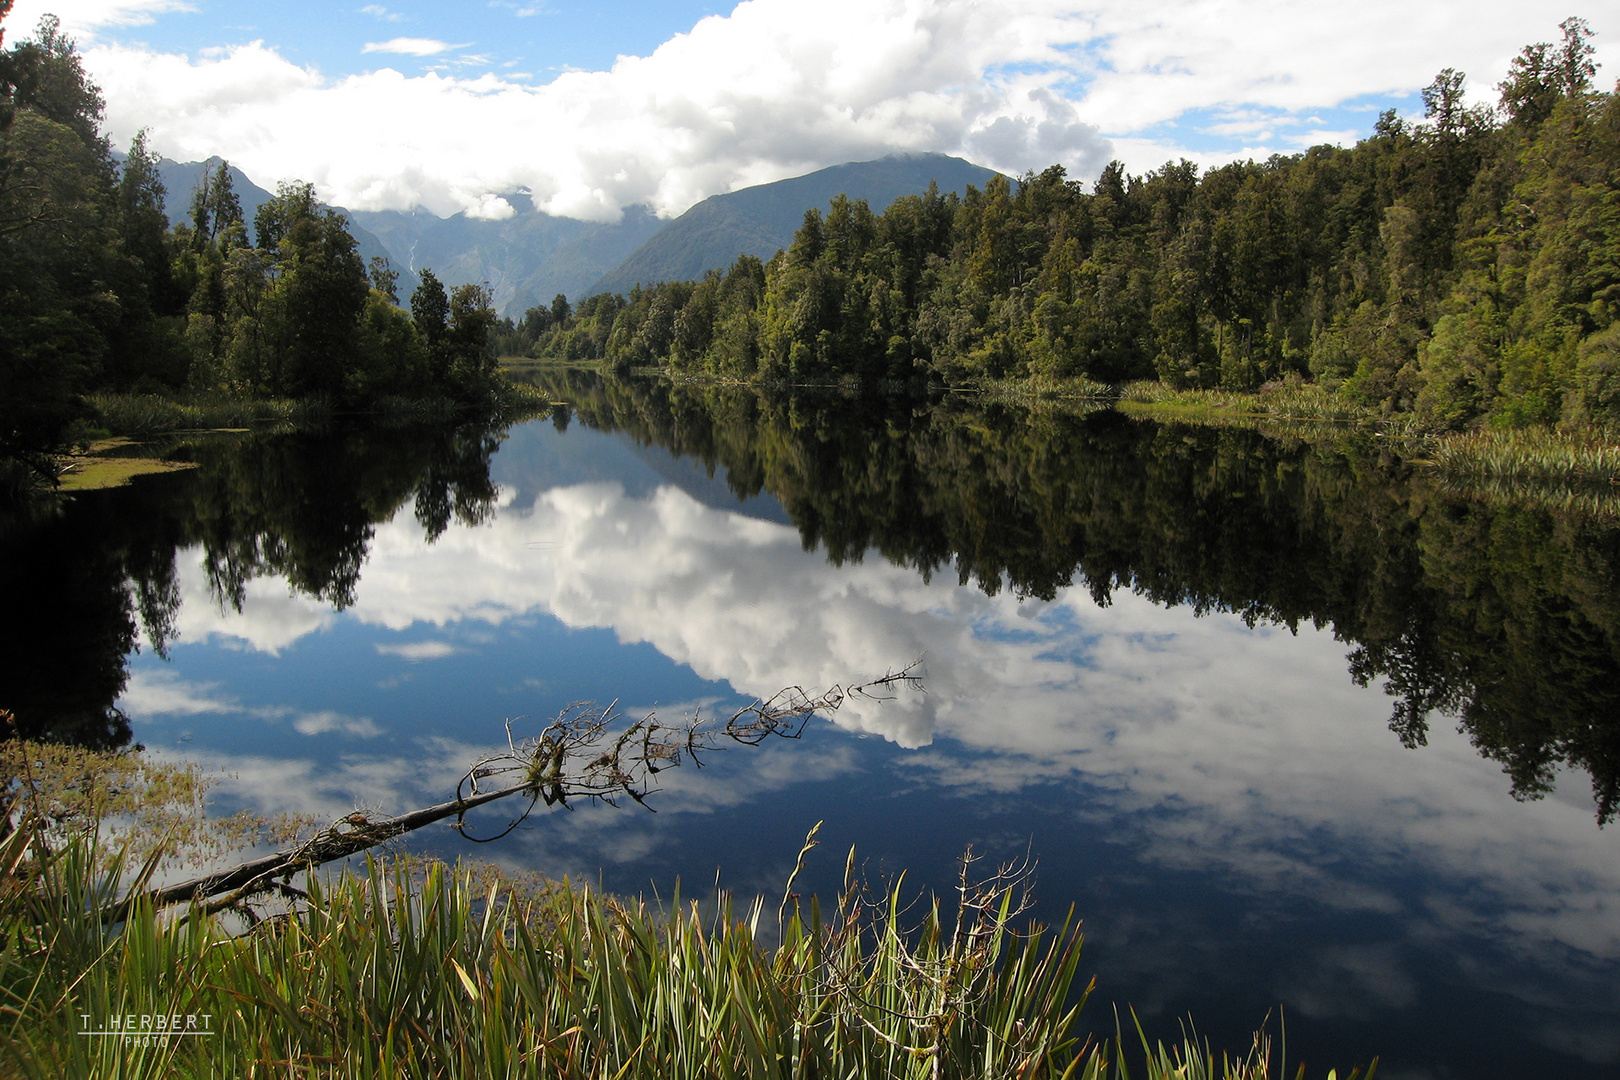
x=1535 y=455
x=151 y=414
x=1572 y=467
x=388 y=973
x=1310 y=402
x=1042 y=388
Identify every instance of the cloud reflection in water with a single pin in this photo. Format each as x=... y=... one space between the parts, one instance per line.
x=1203 y=745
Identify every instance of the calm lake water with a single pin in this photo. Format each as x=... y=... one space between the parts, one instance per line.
x=1286 y=726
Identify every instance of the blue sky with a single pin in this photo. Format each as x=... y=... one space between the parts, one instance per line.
x=592 y=107
x=540 y=38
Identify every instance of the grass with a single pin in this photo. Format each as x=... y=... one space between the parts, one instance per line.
x=150 y=414
x=1530 y=455
x=390 y=973
x=109 y=463
x=1045 y=388
x=1277 y=401
x=1534 y=466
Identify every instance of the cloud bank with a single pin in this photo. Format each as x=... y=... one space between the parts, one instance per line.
x=779 y=87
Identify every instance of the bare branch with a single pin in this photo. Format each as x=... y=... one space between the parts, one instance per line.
x=583 y=754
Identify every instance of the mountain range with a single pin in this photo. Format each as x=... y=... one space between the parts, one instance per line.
x=761 y=220
x=531 y=256
x=181 y=178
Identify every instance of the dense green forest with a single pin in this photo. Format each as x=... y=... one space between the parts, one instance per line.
x=1466 y=268
x=97 y=292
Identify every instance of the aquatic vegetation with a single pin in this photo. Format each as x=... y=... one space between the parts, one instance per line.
x=148 y=414
x=387 y=973
x=1279 y=400
x=1529 y=455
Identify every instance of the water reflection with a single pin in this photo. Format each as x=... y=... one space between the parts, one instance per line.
x=1157 y=714
x=1136 y=641
x=298 y=509
x=1504 y=616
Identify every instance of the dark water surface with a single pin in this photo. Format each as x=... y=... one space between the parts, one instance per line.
x=1287 y=726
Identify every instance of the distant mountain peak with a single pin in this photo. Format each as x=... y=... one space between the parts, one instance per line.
x=761 y=220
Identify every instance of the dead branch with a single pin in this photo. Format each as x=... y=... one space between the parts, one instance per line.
x=584 y=754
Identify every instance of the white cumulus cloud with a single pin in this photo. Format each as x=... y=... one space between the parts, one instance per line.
x=84 y=18
x=417 y=651
x=409 y=46
x=778 y=87
x=772 y=90
x=320 y=723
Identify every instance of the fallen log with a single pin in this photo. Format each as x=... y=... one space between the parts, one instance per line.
x=580 y=754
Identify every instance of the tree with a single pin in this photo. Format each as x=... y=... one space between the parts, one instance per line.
x=1443 y=102
x=293 y=201
x=324 y=286
x=430 y=312
x=144 y=223
x=383 y=277
x=470 y=336
x=46 y=76
x=1541 y=75
x=59 y=254
x=1572 y=63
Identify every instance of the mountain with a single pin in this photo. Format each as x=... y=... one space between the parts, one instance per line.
x=761 y=220
x=181 y=178
x=527 y=258
x=530 y=257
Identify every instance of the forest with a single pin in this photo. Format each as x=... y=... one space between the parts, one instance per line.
x=97 y=292
x=1464 y=269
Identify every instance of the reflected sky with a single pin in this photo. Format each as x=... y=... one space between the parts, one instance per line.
x=1226 y=808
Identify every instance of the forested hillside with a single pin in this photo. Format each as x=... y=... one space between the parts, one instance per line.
x=1464 y=268
x=98 y=292
x=760 y=220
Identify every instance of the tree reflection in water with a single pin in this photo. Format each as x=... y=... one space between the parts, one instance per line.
x=302 y=507
x=1504 y=617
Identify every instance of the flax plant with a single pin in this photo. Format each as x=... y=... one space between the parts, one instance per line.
x=1529 y=456
x=389 y=973
x=148 y=414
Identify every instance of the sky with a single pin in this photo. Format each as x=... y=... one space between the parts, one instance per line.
x=595 y=105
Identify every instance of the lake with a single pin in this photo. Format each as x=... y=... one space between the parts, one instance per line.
x=1287 y=725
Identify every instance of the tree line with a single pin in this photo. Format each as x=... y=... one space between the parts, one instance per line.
x=1465 y=268
x=98 y=292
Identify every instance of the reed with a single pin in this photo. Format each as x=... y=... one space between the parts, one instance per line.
x=150 y=414
x=1283 y=400
x=1046 y=387
x=1529 y=456
x=390 y=973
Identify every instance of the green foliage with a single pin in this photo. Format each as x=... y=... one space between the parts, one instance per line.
x=1598 y=379
x=391 y=973
x=1450 y=270
x=60 y=314
x=98 y=294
